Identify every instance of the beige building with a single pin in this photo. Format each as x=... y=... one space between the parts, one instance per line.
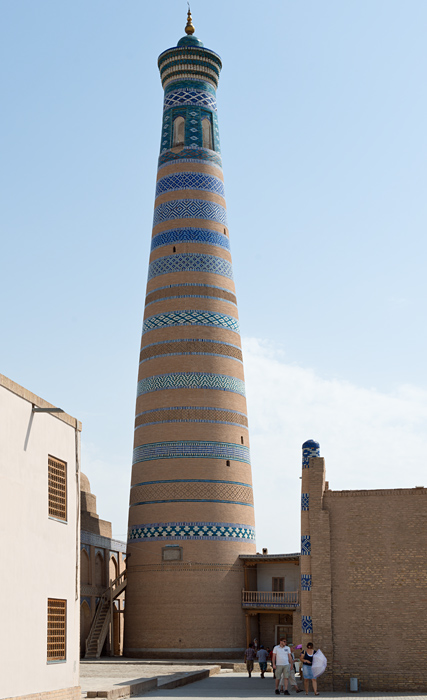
x=39 y=518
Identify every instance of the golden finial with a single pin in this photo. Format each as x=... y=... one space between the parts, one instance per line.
x=189 y=28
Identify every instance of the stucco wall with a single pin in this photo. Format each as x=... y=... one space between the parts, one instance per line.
x=266 y=572
x=43 y=553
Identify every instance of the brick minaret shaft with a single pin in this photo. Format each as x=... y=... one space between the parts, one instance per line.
x=310 y=449
x=191 y=505
x=316 y=582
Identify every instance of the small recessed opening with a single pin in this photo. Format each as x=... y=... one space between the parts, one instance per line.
x=174 y=249
x=225 y=232
x=227 y=463
x=241 y=440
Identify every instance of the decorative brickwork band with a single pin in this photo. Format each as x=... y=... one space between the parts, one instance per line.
x=305 y=544
x=191 y=491
x=306 y=582
x=306 y=624
x=309 y=449
x=305 y=501
x=190 y=318
x=192 y=154
x=190 y=234
x=189 y=449
x=189 y=290
x=189 y=209
x=191 y=414
x=190 y=181
x=191 y=531
x=190 y=347
x=190 y=262
x=191 y=380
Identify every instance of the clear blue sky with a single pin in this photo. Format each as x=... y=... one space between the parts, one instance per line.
x=323 y=112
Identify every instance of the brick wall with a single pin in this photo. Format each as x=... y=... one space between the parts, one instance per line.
x=369 y=585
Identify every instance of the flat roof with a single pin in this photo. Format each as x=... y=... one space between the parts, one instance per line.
x=269 y=557
x=37 y=401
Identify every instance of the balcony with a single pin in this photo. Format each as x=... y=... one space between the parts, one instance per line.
x=287 y=600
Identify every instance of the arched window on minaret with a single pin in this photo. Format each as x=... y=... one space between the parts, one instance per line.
x=178 y=131
x=207 y=133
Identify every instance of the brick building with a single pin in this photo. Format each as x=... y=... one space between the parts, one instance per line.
x=364 y=581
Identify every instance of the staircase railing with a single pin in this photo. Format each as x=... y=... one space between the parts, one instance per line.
x=105 y=607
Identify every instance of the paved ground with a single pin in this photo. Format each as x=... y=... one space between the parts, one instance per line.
x=101 y=675
x=238 y=685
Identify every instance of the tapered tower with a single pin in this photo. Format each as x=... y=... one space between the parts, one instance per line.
x=191 y=505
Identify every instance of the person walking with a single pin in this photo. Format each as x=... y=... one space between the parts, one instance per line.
x=307 y=660
x=292 y=677
x=250 y=656
x=282 y=661
x=262 y=656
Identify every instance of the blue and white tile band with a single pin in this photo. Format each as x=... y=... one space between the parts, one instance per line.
x=306 y=624
x=189 y=96
x=305 y=501
x=191 y=380
x=189 y=209
x=191 y=531
x=306 y=582
x=190 y=262
x=190 y=181
x=191 y=449
x=305 y=544
x=190 y=318
x=190 y=235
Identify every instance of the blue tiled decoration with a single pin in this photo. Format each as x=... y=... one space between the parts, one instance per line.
x=191 y=380
x=305 y=544
x=190 y=318
x=189 y=209
x=191 y=449
x=85 y=599
x=197 y=235
x=190 y=181
x=305 y=582
x=86 y=547
x=305 y=501
x=193 y=154
x=189 y=96
x=190 y=262
x=309 y=449
x=191 y=531
x=306 y=624
x=193 y=85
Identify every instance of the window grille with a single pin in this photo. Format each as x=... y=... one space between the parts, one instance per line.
x=57 y=488
x=56 y=629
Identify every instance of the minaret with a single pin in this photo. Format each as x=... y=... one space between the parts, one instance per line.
x=310 y=449
x=191 y=505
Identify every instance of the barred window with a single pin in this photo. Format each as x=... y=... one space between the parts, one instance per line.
x=57 y=488
x=56 y=629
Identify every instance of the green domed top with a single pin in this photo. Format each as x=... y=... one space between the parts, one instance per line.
x=189 y=40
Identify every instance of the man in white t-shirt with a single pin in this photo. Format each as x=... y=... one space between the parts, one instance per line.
x=282 y=663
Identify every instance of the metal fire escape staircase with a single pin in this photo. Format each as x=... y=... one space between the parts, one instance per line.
x=103 y=617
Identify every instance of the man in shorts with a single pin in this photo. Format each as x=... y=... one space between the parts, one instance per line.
x=250 y=657
x=282 y=663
